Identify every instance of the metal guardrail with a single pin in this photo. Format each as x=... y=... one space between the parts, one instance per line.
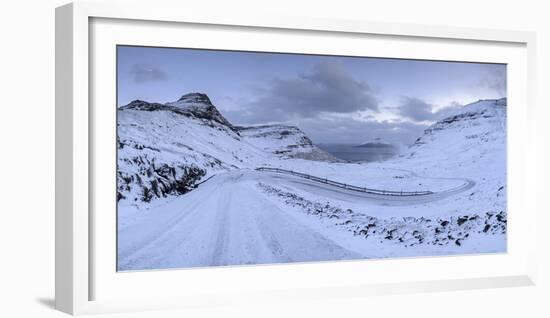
x=345 y=185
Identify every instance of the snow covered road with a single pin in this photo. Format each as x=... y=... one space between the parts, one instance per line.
x=228 y=220
x=225 y=221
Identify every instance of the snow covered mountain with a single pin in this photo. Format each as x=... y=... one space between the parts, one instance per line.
x=195 y=105
x=471 y=144
x=472 y=140
x=477 y=126
x=200 y=106
x=166 y=149
x=288 y=141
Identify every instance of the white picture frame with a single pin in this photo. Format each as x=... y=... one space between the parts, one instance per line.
x=79 y=257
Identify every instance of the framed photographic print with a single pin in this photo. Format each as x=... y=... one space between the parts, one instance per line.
x=223 y=158
x=306 y=158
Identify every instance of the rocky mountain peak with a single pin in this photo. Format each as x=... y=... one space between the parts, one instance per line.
x=195 y=105
x=195 y=98
x=200 y=106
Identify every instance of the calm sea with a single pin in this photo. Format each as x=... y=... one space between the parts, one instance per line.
x=364 y=154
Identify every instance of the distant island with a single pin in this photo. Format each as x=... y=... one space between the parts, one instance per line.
x=376 y=143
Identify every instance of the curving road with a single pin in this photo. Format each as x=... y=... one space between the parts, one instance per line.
x=230 y=221
x=341 y=194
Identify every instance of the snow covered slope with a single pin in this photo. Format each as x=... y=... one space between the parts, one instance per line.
x=286 y=141
x=475 y=131
x=166 y=149
x=470 y=144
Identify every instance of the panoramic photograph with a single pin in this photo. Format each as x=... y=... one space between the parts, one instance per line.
x=230 y=158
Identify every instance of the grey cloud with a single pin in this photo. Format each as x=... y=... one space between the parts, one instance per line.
x=418 y=110
x=415 y=109
x=327 y=88
x=346 y=131
x=495 y=78
x=142 y=73
x=447 y=110
x=340 y=130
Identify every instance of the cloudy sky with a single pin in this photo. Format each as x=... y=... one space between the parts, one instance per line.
x=333 y=99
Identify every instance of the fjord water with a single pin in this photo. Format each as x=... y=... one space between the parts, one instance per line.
x=356 y=153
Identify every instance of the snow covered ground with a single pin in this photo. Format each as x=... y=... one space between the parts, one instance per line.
x=189 y=194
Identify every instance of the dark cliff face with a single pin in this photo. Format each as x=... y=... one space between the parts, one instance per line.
x=200 y=106
x=195 y=98
x=143 y=105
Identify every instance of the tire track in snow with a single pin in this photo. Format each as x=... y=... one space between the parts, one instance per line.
x=161 y=234
x=290 y=240
x=223 y=226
